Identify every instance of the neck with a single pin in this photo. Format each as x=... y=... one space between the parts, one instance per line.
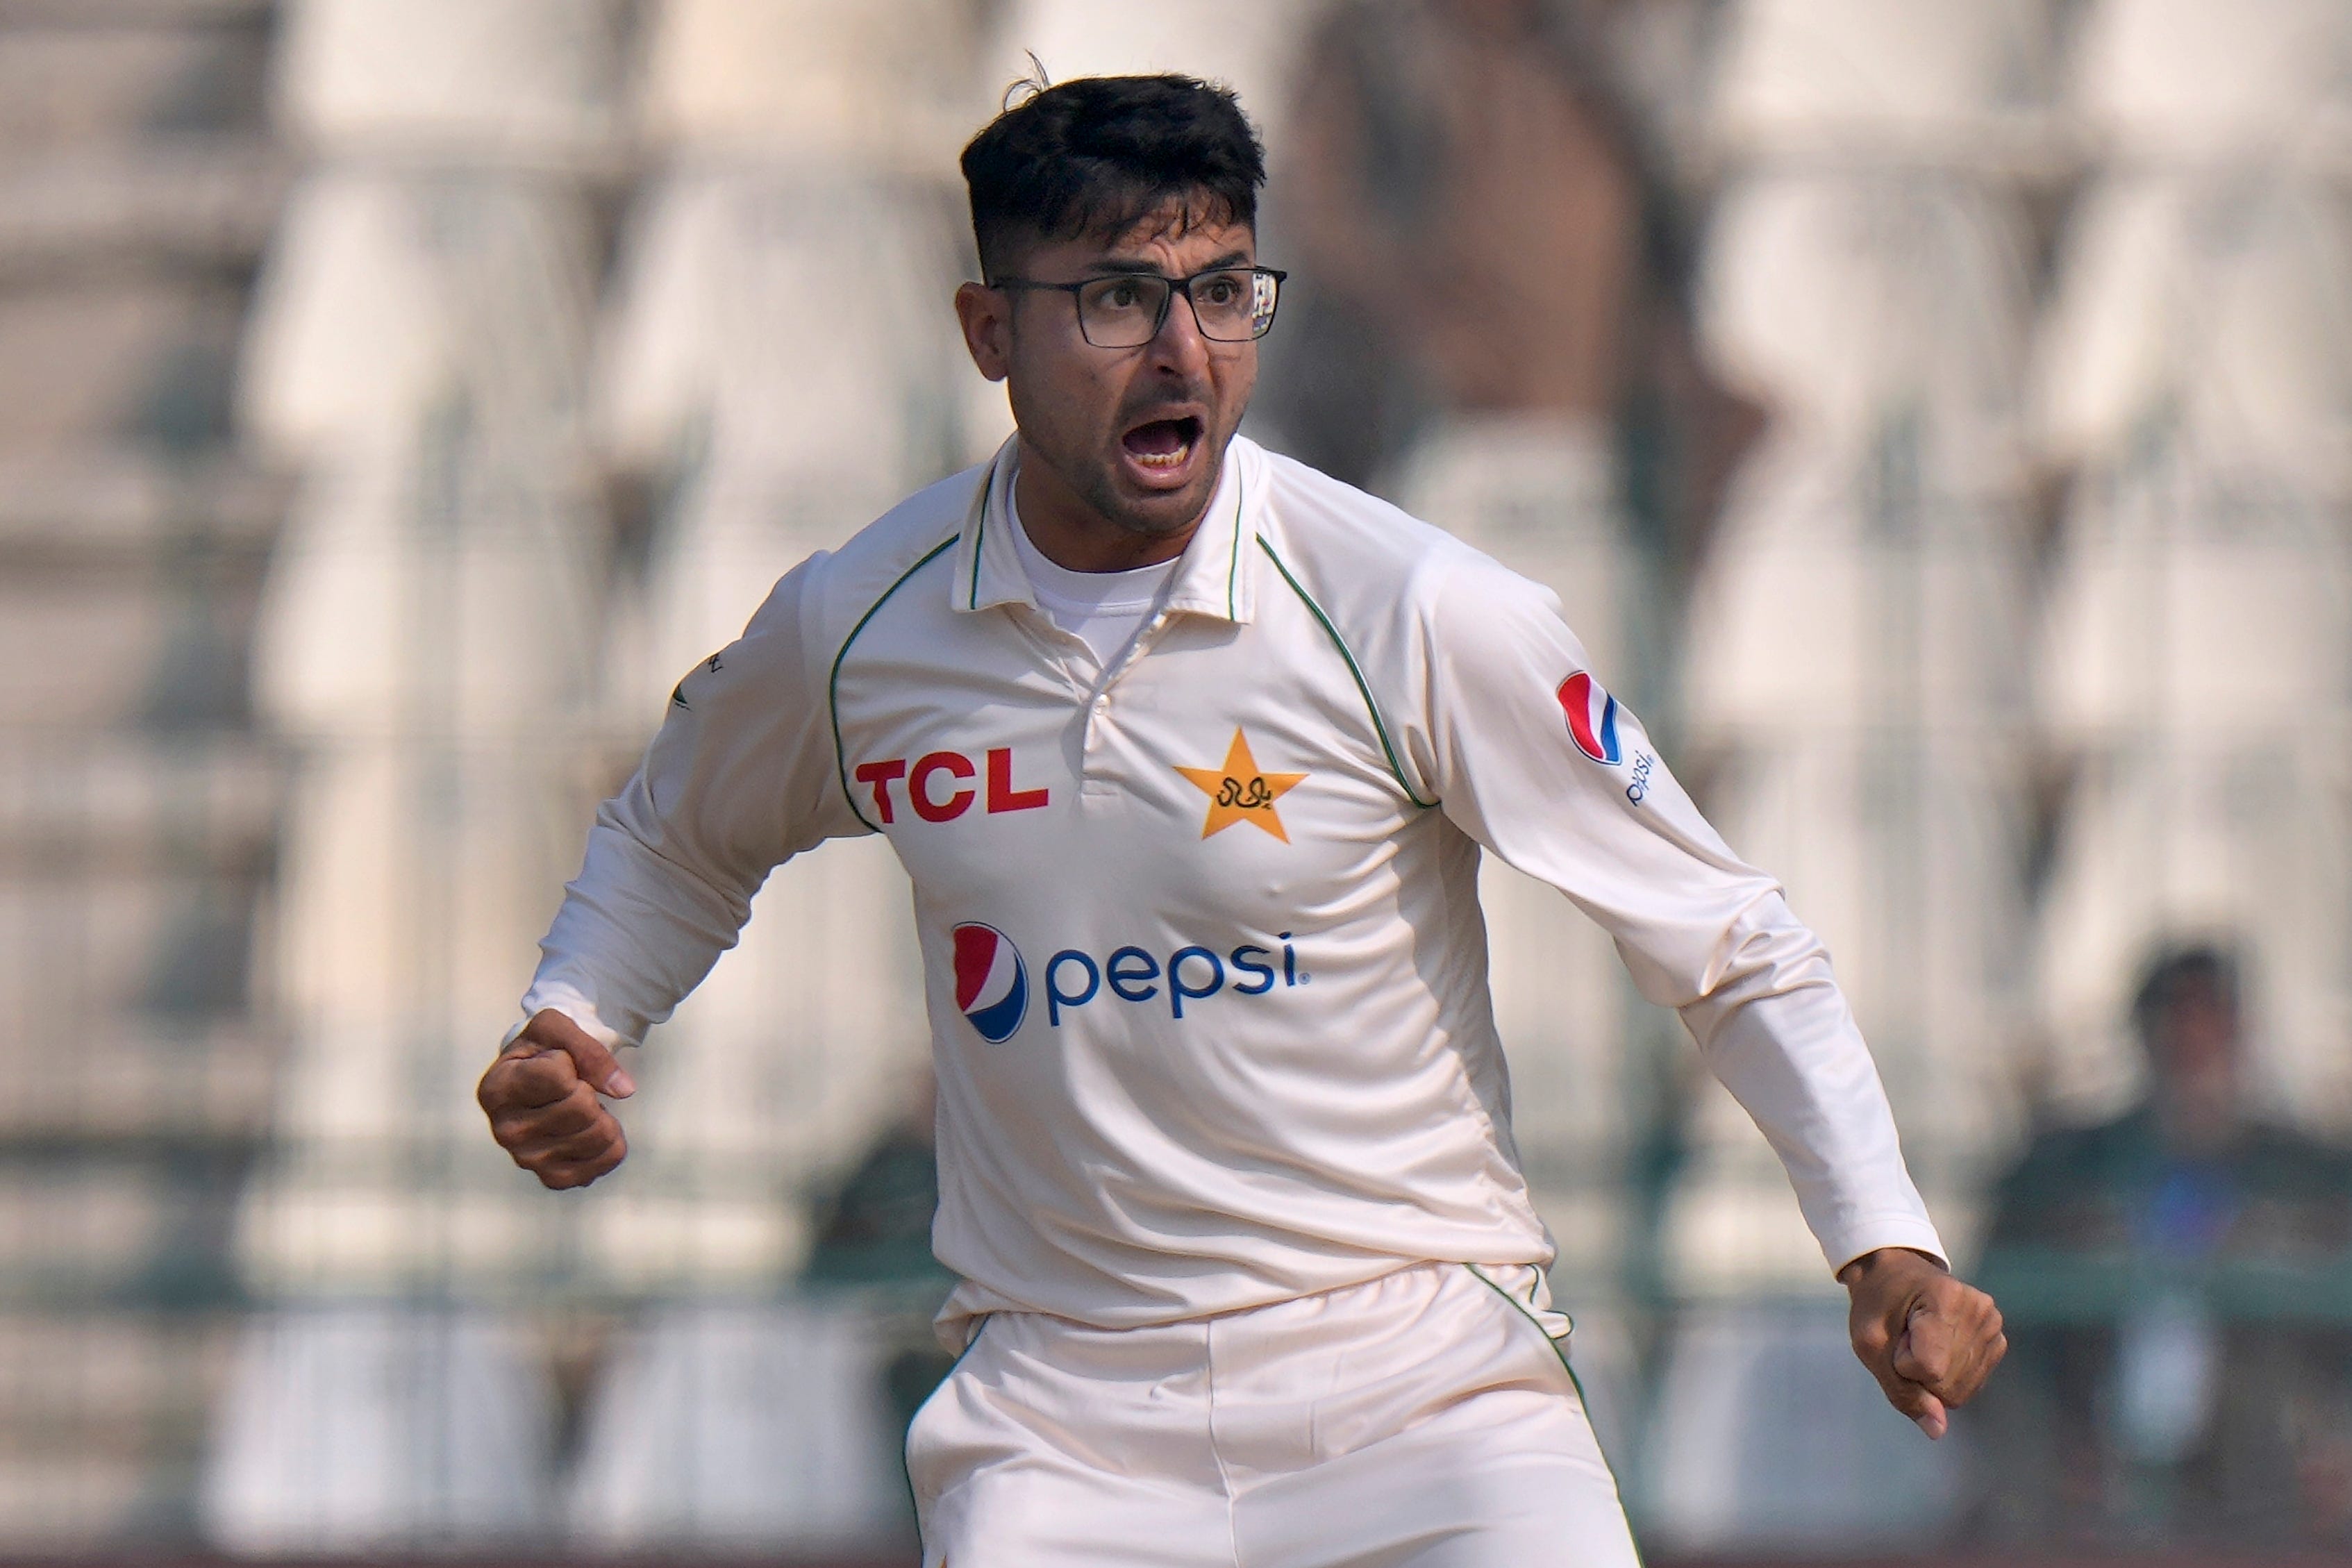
x=1072 y=533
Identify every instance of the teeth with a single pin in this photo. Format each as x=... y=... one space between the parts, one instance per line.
x=1170 y=460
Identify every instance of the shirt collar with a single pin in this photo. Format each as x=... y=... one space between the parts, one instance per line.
x=1215 y=577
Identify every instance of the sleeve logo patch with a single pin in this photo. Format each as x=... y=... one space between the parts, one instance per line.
x=1591 y=719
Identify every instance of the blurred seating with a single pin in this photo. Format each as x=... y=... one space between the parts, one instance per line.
x=2195 y=650
x=1845 y=591
x=100 y=1409
x=364 y=1428
x=2202 y=310
x=418 y=354
x=805 y=84
x=2177 y=834
x=742 y=1428
x=2196 y=636
x=2174 y=1375
x=417 y=358
x=1849 y=81
x=1848 y=297
x=1840 y=1472
x=782 y=360
x=2179 y=82
x=533 y=82
x=426 y=640
x=136 y=805
x=1250 y=46
x=1854 y=635
x=392 y=299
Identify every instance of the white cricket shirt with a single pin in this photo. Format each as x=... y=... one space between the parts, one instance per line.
x=1103 y=609
x=1206 y=974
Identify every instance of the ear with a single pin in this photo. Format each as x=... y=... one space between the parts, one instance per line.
x=986 y=315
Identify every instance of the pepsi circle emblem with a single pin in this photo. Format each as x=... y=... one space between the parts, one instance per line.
x=992 y=983
x=1591 y=719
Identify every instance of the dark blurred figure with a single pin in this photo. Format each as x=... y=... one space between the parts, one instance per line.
x=2179 y=1366
x=1476 y=229
x=875 y=1230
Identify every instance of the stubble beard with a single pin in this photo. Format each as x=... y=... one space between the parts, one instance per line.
x=1168 y=514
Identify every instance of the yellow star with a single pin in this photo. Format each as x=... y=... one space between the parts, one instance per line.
x=1238 y=792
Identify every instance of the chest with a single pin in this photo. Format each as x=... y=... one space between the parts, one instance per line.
x=1221 y=770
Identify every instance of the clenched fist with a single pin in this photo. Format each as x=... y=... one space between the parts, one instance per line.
x=540 y=1096
x=1930 y=1340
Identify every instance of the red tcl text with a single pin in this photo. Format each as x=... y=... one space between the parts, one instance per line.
x=938 y=785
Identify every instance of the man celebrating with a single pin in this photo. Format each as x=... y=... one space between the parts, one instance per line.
x=1191 y=753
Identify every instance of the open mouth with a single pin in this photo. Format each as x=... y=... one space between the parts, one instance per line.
x=1163 y=445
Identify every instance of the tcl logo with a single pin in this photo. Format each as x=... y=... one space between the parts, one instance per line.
x=938 y=785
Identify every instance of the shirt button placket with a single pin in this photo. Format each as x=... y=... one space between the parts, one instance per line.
x=1092 y=779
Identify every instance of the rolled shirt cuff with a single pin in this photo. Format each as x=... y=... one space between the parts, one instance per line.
x=1892 y=1230
x=564 y=999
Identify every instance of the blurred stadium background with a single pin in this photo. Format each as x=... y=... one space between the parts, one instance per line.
x=1936 y=415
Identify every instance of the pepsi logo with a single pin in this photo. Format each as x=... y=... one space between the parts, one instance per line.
x=992 y=983
x=1591 y=719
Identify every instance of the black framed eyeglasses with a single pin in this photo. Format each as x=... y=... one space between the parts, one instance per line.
x=1127 y=309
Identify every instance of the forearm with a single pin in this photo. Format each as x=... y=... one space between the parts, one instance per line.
x=739 y=778
x=1777 y=1032
x=1554 y=775
x=636 y=932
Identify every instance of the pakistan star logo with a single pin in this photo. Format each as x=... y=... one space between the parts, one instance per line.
x=1238 y=792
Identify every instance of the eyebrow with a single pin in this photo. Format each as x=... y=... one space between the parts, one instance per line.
x=1140 y=269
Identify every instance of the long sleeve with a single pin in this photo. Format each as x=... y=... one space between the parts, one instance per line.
x=741 y=777
x=1527 y=756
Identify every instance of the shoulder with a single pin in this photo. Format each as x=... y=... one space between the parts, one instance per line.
x=1370 y=565
x=885 y=555
x=814 y=608
x=1338 y=536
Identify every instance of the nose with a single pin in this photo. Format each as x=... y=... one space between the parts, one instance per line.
x=1180 y=347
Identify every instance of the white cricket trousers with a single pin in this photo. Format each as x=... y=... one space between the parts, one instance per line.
x=1425 y=1419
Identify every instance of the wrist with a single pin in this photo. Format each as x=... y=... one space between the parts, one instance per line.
x=1878 y=1259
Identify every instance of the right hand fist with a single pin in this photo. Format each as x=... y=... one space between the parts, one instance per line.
x=540 y=1097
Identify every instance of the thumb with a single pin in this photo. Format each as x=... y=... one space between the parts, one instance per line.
x=1924 y=1351
x=1922 y=1356
x=550 y=1030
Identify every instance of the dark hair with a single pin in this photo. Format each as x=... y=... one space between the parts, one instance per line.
x=2174 y=970
x=1100 y=153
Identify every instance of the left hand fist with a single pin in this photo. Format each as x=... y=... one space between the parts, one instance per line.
x=1930 y=1340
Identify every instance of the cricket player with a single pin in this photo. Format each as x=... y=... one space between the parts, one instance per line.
x=1191 y=753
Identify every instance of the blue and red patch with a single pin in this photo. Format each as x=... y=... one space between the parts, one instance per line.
x=1591 y=719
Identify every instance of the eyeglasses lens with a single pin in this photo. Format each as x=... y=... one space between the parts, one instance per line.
x=1121 y=313
x=1126 y=312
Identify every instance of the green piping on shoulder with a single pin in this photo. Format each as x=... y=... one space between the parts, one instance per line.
x=833 y=681
x=1379 y=725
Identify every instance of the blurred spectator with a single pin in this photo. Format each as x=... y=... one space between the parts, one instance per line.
x=1478 y=233
x=874 y=1229
x=2179 y=1362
